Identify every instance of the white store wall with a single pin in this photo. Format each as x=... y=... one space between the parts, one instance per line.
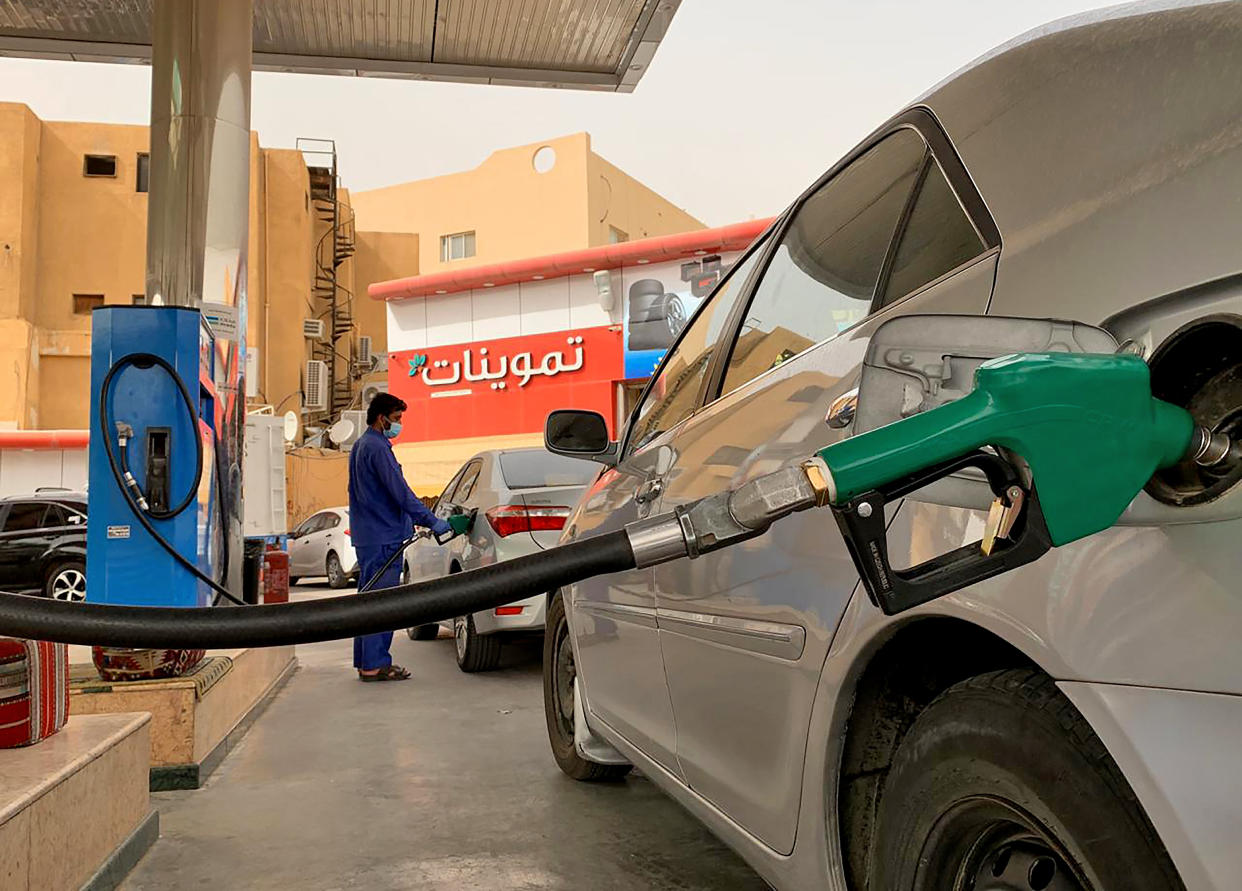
x=24 y=470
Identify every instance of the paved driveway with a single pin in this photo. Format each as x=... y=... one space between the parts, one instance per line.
x=442 y=782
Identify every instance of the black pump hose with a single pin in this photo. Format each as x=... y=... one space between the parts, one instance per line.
x=334 y=618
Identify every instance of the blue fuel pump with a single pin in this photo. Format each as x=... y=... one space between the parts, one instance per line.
x=154 y=491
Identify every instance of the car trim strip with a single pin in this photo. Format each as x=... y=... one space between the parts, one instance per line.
x=768 y=638
x=635 y=615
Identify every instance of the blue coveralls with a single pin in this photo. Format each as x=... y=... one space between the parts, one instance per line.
x=381 y=510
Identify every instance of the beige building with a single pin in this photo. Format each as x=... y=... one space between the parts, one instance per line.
x=527 y=201
x=73 y=224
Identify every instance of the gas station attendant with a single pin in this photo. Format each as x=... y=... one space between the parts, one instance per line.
x=381 y=510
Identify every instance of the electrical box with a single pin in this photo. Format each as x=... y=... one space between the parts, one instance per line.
x=263 y=477
x=125 y=563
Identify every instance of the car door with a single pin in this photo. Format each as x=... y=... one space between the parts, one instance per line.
x=616 y=644
x=310 y=547
x=297 y=539
x=426 y=558
x=745 y=631
x=23 y=540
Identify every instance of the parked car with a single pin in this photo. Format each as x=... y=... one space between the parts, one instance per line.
x=522 y=497
x=321 y=546
x=1071 y=724
x=43 y=544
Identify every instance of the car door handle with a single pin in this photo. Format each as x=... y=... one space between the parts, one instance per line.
x=649 y=491
x=842 y=410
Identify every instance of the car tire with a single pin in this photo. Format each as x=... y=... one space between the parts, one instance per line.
x=559 y=672
x=1000 y=783
x=675 y=316
x=645 y=298
x=475 y=652
x=66 y=581
x=337 y=576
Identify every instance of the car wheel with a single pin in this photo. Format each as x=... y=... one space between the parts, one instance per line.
x=337 y=577
x=67 y=582
x=1000 y=784
x=475 y=652
x=559 y=672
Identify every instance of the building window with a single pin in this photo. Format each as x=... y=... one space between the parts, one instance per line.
x=140 y=300
x=143 y=181
x=99 y=165
x=458 y=246
x=616 y=236
x=84 y=303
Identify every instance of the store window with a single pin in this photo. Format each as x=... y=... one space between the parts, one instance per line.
x=99 y=165
x=142 y=182
x=84 y=303
x=139 y=300
x=457 y=246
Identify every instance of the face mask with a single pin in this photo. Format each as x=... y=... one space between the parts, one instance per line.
x=393 y=430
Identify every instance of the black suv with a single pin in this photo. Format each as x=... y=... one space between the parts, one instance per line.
x=43 y=544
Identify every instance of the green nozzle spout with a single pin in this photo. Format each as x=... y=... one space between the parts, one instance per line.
x=1087 y=425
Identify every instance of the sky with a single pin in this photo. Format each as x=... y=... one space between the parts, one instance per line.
x=745 y=103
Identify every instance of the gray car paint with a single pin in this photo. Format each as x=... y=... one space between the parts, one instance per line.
x=425 y=559
x=1108 y=149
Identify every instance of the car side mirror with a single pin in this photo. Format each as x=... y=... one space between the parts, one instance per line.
x=574 y=433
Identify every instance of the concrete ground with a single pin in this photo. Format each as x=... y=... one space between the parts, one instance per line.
x=440 y=782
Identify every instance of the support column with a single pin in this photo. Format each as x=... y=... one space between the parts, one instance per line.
x=198 y=206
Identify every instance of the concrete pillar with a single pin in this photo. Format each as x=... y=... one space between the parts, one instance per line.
x=198 y=206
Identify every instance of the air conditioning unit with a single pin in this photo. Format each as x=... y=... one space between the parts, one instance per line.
x=314 y=329
x=371 y=389
x=315 y=388
x=365 y=359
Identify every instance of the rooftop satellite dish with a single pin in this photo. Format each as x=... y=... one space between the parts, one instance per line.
x=341 y=431
x=291 y=426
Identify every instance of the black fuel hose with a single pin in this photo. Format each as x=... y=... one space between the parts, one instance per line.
x=333 y=618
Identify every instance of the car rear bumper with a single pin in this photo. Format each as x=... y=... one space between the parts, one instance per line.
x=1179 y=752
x=529 y=617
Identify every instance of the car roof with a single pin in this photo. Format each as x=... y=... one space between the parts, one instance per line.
x=47 y=495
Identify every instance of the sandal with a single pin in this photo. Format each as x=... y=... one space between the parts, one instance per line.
x=391 y=673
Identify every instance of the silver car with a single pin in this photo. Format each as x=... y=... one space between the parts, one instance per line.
x=1073 y=724
x=321 y=546
x=522 y=498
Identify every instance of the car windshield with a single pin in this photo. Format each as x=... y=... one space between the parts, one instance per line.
x=532 y=470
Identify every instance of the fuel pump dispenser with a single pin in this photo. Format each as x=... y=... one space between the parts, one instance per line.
x=155 y=536
x=1064 y=440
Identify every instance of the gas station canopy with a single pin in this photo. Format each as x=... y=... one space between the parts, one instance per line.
x=579 y=44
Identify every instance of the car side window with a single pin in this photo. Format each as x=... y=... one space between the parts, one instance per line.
x=24 y=516
x=823 y=275
x=674 y=394
x=468 y=481
x=938 y=237
x=330 y=521
x=55 y=517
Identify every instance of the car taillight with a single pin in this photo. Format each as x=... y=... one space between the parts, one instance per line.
x=509 y=519
x=347 y=532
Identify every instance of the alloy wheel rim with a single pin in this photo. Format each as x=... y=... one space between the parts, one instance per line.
x=566 y=671
x=988 y=844
x=459 y=636
x=69 y=585
x=334 y=570
x=676 y=317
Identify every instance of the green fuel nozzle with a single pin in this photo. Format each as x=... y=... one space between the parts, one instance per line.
x=1064 y=440
x=1086 y=425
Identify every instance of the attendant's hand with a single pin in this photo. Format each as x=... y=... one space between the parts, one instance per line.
x=441 y=528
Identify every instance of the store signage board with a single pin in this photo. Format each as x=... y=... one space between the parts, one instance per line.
x=505 y=386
